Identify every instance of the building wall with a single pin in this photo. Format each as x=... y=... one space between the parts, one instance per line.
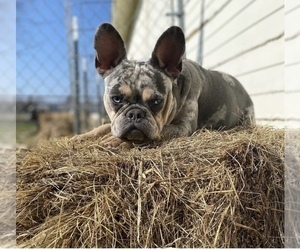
x=292 y=63
x=243 y=38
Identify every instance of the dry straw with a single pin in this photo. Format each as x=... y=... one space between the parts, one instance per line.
x=213 y=189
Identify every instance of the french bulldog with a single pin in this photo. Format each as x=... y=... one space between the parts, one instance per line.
x=165 y=97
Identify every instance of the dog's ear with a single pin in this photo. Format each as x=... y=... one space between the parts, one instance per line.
x=110 y=48
x=168 y=51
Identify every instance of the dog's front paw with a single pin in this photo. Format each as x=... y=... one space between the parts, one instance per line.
x=94 y=134
x=82 y=137
x=114 y=142
x=76 y=138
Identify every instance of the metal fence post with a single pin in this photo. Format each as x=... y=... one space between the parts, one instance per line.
x=181 y=14
x=85 y=92
x=76 y=96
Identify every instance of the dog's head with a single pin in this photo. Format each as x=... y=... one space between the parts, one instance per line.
x=138 y=95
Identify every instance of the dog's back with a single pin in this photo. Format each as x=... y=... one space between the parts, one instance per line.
x=222 y=100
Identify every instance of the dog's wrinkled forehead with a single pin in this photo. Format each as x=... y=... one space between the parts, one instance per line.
x=134 y=77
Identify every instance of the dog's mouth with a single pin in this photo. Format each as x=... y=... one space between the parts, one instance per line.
x=135 y=125
x=135 y=135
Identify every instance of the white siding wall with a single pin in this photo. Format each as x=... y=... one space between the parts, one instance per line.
x=243 y=38
x=151 y=22
x=292 y=63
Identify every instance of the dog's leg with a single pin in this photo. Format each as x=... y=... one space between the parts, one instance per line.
x=113 y=141
x=94 y=134
x=173 y=131
x=108 y=139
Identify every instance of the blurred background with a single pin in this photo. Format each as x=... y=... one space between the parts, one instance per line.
x=58 y=92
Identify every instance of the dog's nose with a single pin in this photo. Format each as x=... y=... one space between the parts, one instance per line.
x=135 y=115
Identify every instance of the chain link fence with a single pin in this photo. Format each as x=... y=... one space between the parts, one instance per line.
x=7 y=72
x=55 y=69
x=7 y=123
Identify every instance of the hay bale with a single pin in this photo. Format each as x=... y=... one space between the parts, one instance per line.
x=292 y=187
x=213 y=189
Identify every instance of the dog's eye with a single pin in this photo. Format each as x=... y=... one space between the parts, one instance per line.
x=157 y=102
x=117 y=99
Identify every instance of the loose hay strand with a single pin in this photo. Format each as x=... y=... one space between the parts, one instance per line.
x=213 y=189
x=139 y=201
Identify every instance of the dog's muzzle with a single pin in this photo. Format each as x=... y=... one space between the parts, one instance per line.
x=135 y=117
x=135 y=123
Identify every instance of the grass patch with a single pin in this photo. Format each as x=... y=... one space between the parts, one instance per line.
x=25 y=132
